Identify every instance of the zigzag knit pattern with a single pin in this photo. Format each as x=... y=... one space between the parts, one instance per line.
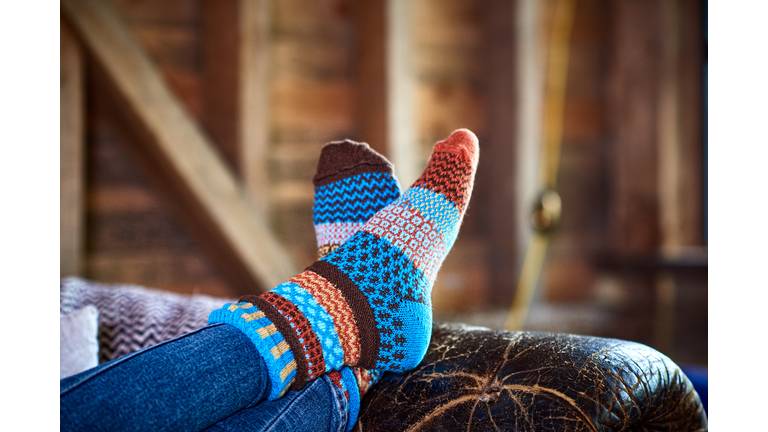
x=353 y=182
x=354 y=199
x=383 y=274
x=342 y=207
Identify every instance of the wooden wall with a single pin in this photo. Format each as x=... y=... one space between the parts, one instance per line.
x=314 y=71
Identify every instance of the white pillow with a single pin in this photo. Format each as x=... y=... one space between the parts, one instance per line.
x=79 y=341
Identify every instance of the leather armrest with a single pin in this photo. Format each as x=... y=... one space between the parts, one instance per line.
x=478 y=379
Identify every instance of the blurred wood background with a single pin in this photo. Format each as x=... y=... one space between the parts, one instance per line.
x=267 y=83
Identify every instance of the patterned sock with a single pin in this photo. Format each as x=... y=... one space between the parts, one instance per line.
x=367 y=303
x=352 y=184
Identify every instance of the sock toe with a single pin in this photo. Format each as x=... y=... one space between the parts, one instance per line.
x=341 y=159
x=463 y=141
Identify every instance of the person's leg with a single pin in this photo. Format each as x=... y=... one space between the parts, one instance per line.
x=319 y=406
x=352 y=184
x=368 y=303
x=192 y=381
x=184 y=384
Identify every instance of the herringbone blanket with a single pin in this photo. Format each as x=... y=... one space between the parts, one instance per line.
x=133 y=317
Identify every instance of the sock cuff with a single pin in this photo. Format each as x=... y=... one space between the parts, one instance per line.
x=269 y=342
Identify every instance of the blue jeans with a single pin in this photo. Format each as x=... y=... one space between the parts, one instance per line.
x=209 y=379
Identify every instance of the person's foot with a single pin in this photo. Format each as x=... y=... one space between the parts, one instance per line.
x=353 y=182
x=368 y=303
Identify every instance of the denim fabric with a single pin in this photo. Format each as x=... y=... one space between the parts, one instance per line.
x=319 y=406
x=191 y=383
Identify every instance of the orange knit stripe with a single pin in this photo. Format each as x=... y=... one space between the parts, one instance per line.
x=333 y=302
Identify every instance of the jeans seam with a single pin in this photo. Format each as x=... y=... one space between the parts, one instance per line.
x=127 y=357
x=342 y=422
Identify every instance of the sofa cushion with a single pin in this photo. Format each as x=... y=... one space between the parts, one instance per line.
x=78 y=346
x=133 y=317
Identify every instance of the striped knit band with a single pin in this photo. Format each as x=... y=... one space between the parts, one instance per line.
x=273 y=348
x=336 y=233
x=300 y=326
x=331 y=299
x=361 y=309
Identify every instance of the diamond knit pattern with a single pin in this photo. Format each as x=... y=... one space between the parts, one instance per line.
x=374 y=291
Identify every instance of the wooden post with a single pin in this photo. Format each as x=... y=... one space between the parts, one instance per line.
x=371 y=69
x=632 y=103
x=691 y=94
x=254 y=97
x=499 y=147
x=221 y=83
x=72 y=154
x=401 y=96
x=178 y=143
x=236 y=88
x=669 y=133
x=529 y=84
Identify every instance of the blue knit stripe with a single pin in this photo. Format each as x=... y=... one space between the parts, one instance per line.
x=442 y=213
x=320 y=320
x=386 y=277
x=350 y=383
x=267 y=346
x=355 y=198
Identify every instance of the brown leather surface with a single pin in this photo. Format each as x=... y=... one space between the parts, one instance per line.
x=475 y=379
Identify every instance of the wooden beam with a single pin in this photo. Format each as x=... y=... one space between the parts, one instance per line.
x=114 y=113
x=254 y=97
x=72 y=153
x=692 y=121
x=371 y=70
x=401 y=92
x=236 y=88
x=179 y=143
x=669 y=133
x=499 y=147
x=631 y=106
x=529 y=70
x=220 y=85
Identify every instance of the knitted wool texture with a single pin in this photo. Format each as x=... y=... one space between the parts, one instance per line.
x=353 y=182
x=367 y=303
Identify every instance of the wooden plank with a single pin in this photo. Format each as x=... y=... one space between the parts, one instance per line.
x=669 y=134
x=371 y=74
x=529 y=91
x=632 y=101
x=220 y=79
x=692 y=121
x=185 y=272
x=311 y=110
x=72 y=153
x=401 y=92
x=254 y=97
x=179 y=143
x=128 y=195
x=499 y=147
